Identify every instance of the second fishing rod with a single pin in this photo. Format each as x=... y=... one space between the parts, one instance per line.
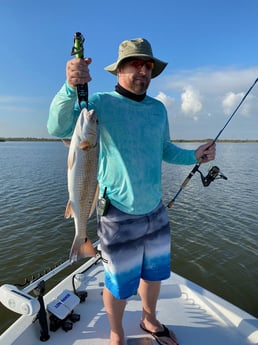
x=214 y=172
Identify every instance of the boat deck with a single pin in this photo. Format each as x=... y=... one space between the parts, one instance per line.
x=196 y=316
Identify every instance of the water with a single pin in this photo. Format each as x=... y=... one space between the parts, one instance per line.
x=214 y=229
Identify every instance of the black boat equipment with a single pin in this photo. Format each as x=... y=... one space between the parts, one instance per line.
x=60 y=310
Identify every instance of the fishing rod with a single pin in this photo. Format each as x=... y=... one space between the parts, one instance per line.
x=78 y=51
x=214 y=172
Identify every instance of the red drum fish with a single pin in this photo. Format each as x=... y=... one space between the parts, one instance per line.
x=82 y=181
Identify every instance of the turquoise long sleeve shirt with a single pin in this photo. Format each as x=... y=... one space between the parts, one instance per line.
x=134 y=139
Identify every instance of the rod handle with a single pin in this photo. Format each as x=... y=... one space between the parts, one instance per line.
x=78 y=51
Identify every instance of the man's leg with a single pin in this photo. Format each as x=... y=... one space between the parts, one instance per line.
x=115 y=310
x=149 y=293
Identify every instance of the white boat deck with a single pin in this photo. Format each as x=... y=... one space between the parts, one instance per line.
x=195 y=315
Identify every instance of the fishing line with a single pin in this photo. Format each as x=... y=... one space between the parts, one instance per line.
x=214 y=172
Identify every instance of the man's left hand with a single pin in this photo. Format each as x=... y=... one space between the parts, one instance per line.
x=206 y=152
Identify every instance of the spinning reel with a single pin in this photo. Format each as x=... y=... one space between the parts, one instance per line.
x=213 y=174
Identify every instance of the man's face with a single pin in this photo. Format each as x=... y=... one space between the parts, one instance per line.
x=135 y=74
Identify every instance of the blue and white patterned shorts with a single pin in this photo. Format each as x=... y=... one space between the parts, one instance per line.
x=134 y=247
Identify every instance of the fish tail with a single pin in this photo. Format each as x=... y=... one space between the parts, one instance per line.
x=81 y=248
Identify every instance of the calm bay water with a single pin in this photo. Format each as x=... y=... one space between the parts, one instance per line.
x=214 y=229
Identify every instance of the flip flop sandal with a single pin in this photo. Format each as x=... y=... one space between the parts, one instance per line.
x=157 y=335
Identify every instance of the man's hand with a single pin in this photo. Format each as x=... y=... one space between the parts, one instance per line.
x=77 y=71
x=206 y=152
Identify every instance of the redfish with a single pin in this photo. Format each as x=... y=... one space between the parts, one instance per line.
x=82 y=181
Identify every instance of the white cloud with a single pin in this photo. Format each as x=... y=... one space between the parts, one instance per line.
x=232 y=100
x=166 y=100
x=191 y=103
x=211 y=81
x=200 y=99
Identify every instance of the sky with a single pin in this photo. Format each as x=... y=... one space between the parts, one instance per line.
x=210 y=46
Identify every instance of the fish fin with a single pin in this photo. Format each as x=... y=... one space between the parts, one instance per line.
x=69 y=210
x=94 y=202
x=70 y=160
x=66 y=142
x=81 y=248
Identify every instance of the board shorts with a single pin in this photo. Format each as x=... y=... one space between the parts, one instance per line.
x=134 y=247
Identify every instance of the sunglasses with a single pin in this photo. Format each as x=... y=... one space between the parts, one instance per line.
x=138 y=64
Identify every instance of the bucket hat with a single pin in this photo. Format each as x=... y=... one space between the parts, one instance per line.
x=138 y=47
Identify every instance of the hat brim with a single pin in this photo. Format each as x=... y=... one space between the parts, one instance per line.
x=159 y=65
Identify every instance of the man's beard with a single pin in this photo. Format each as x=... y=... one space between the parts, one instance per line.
x=140 y=85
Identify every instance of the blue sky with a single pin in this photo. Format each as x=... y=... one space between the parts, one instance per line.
x=210 y=46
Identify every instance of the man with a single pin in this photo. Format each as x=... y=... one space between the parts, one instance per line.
x=134 y=139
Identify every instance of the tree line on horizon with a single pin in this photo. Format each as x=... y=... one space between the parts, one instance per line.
x=2 y=139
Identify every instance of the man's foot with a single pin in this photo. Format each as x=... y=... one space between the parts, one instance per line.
x=161 y=334
x=116 y=339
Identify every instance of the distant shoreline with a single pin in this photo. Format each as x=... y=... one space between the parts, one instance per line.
x=175 y=140
x=218 y=141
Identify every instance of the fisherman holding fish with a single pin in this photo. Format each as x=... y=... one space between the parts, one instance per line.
x=133 y=141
